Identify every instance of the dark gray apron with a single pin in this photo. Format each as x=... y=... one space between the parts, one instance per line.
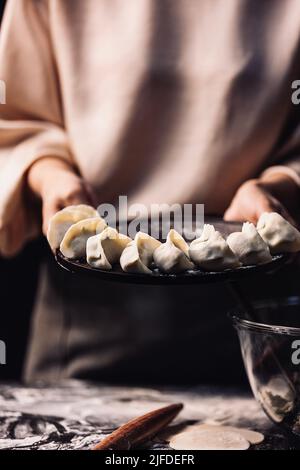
x=88 y=328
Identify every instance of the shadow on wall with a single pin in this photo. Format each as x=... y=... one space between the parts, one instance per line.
x=2 y=5
x=18 y=278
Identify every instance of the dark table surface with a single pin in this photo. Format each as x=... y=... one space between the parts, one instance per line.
x=76 y=415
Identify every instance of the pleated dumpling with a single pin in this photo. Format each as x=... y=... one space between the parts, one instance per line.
x=138 y=255
x=73 y=245
x=248 y=246
x=173 y=256
x=278 y=233
x=104 y=250
x=211 y=252
x=62 y=221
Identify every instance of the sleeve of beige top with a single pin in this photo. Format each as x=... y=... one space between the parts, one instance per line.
x=287 y=158
x=290 y=168
x=31 y=122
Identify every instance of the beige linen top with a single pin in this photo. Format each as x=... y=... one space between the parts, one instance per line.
x=162 y=100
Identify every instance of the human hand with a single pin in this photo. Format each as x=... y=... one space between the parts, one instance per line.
x=272 y=193
x=57 y=185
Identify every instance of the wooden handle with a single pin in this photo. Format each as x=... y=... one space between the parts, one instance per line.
x=139 y=430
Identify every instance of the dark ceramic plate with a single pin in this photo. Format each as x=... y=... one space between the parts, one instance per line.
x=157 y=277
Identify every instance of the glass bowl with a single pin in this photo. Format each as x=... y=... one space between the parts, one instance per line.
x=269 y=336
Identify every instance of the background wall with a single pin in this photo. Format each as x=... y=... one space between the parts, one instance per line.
x=2 y=4
x=18 y=282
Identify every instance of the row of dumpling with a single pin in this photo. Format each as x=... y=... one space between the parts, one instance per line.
x=79 y=232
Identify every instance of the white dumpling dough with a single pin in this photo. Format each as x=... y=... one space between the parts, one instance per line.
x=253 y=437
x=73 y=245
x=211 y=252
x=173 y=256
x=248 y=246
x=279 y=397
x=104 y=250
x=62 y=221
x=209 y=439
x=138 y=254
x=278 y=233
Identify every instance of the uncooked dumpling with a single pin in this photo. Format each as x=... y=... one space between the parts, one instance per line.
x=173 y=256
x=211 y=252
x=209 y=439
x=73 y=245
x=278 y=233
x=248 y=246
x=104 y=250
x=138 y=254
x=62 y=221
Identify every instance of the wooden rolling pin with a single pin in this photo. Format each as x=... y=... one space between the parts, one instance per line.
x=139 y=430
